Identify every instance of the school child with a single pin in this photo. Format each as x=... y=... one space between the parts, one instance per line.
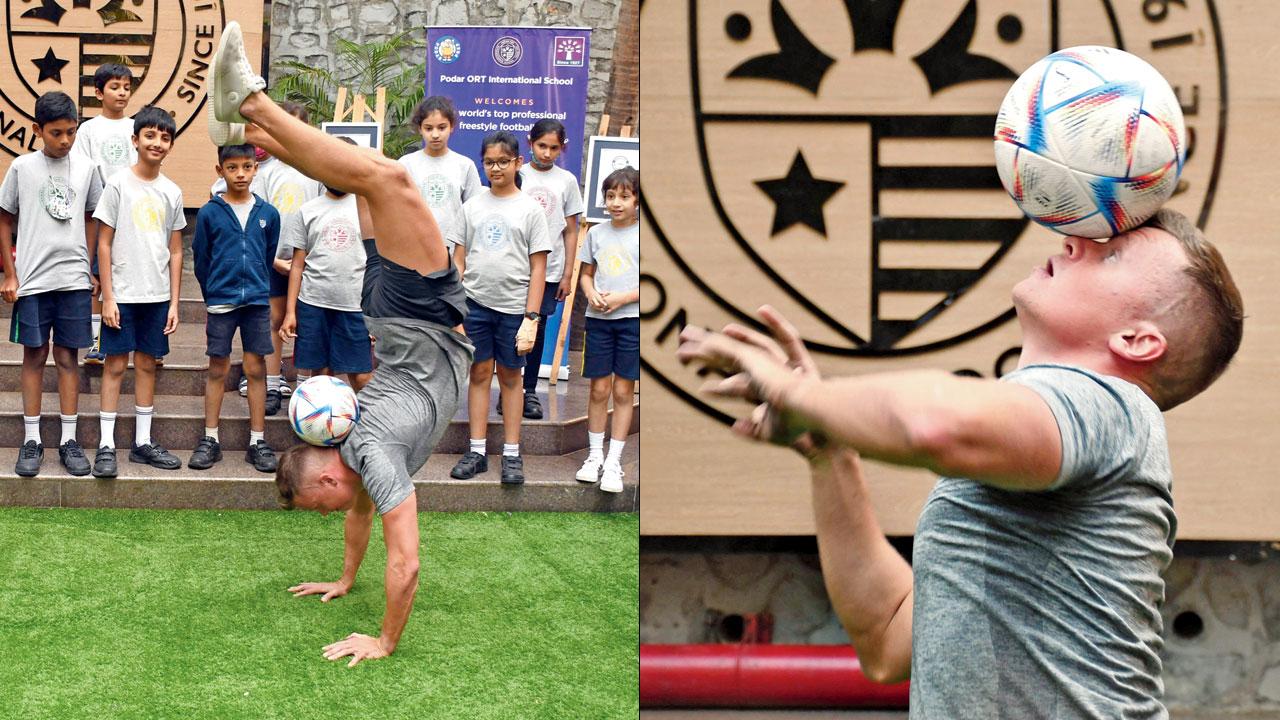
x=234 y=251
x=140 y=223
x=556 y=190
x=446 y=179
x=500 y=246
x=610 y=279
x=107 y=141
x=53 y=196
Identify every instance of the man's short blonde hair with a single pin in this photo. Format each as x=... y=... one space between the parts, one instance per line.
x=1208 y=321
x=295 y=464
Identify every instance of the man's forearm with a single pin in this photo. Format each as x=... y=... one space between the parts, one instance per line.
x=868 y=581
x=402 y=585
x=356 y=530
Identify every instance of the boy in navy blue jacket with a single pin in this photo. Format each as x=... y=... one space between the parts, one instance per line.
x=234 y=248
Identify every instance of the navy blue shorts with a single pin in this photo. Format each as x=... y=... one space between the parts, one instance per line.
x=612 y=348
x=334 y=339
x=277 y=284
x=141 y=329
x=494 y=335
x=254 y=322
x=67 y=312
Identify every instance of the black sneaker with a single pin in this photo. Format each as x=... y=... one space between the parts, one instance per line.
x=512 y=469
x=155 y=456
x=470 y=464
x=261 y=457
x=273 y=401
x=208 y=451
x=532 y=408
x=104 y=463
x=29 y=457
x=71 y=455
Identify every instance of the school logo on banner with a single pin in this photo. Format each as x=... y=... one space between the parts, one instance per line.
x=447 y=49
x=570 y=51
x=58 y=44
x=507 y=51
x=836 y=161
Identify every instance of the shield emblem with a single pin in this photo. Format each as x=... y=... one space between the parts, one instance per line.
x=865 y=189
x=58 y=44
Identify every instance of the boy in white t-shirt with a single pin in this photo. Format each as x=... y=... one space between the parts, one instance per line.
x=107 y=141
x=140 y=259
x=445 y=179
x=53 y=196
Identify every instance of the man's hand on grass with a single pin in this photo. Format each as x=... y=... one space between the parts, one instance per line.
x=359 y=647
x=326 y=590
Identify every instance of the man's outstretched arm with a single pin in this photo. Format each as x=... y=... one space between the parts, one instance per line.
x=867 y=580
x=356 y=528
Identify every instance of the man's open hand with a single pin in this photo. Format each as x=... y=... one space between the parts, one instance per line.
x=326 y=590
x=359 y=647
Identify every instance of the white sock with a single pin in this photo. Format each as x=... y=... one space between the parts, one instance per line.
x=477 y=446
x=510 y=450
x=273 y=382
x=97 y=324
x=68 y=428
x=303 y=376
x=107 y=422
x=211 y=432
x=615 y=451
x=142 y=430
x=256 y=435
x=31 y=428
x=595 y=445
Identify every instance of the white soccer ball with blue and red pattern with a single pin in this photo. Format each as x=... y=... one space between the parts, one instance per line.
x=323 y=410
x=1090 y=141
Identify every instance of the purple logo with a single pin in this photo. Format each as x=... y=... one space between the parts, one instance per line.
x=507 y=51
x=570 y=51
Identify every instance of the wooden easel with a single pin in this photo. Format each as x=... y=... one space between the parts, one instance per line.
x=567 y=314
x=359 y=109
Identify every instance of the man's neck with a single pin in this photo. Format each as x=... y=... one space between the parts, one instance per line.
x=145 y=171
x=237 y=198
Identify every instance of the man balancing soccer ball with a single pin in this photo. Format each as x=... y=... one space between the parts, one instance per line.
x=413 y=303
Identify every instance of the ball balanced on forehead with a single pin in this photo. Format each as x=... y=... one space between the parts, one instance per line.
x=1090 y=141
x=323 y=410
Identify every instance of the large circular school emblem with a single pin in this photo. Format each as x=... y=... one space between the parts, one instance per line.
x=58 y=44
x=148 y=215
x=835 y=160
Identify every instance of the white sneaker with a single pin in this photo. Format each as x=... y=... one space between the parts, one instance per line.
x=244 y=386
x=590 y=470
x=222 y=133
x=285 y=389
x=611 y=478
x=233 y=76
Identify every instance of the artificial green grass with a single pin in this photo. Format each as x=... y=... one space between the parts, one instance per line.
x=184 y=614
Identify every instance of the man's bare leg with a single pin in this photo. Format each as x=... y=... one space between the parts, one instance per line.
x=406 y=232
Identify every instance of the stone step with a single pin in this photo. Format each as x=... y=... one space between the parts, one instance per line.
x=179 y=423
x=234 y=485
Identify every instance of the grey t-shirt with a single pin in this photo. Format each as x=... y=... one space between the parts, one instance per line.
x=616 y=254
x=445 y=183
x=144 y=215
x=242 y=210
x=52 y=254
x=499 y=234
x=556 y=190
x=106 y=143
x=1047 y=604
x=328 y=230
x=420 y=380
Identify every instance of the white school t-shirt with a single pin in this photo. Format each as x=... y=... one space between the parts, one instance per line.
x=616 y=254
x=328 y=230
x=144 y=215
x=52 y=254
x=445 y=183
x=556 y=190
x=499 y=234
x=108 y=143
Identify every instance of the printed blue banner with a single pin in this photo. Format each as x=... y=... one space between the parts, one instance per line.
x=504 y=78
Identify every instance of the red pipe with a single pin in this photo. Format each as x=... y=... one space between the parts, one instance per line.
x=750 y=675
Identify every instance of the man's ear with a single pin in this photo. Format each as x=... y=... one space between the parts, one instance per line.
x=1142 y=343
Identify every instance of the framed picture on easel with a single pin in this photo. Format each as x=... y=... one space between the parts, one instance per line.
x=365 y=134
x=605 y=155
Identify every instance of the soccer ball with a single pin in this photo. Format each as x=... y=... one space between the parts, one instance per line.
x=323 y=410
x=1090 y=141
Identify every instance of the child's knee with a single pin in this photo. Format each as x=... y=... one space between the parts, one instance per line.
x=510 y=378
x=255 y=367
x=481 y=372
x=218 y=368
x=601 y=388
x=35 y=356
x=64 y=359
x=623 y=392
